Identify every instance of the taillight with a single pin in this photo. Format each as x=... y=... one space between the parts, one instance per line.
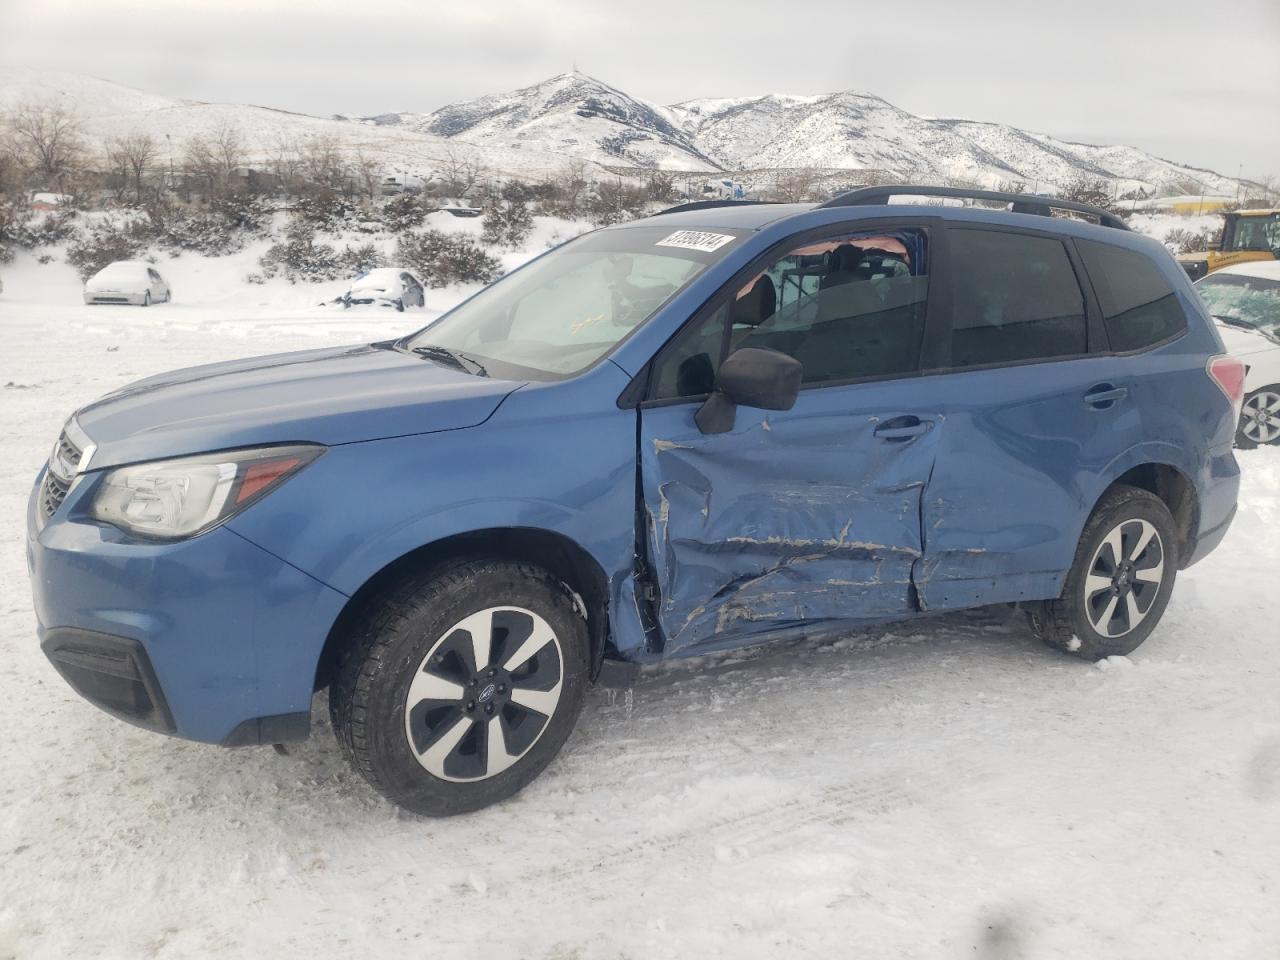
x=1228 y=373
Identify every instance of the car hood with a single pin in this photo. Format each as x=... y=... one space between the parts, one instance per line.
x=1240 y=342
x=329 y=396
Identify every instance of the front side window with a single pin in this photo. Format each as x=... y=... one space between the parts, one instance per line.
x=848 y=308
x=566 y=310
x=1014 y=298
x=1138 y=304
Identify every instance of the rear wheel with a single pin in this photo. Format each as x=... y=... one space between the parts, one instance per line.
x=146 y=299
x=1120 y=581
x=1259 y=419
x=457 y=688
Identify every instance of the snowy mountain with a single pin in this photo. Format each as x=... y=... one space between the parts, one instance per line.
x=574 y=114
x=850 y=131
x=109 y=109
x=536 y=129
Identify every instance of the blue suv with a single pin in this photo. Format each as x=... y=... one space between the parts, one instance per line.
x=720 y=425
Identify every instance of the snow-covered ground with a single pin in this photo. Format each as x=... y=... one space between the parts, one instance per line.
x=944 y=788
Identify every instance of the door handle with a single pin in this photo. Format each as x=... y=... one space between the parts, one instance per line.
x=903 y=428
x=1104 y=395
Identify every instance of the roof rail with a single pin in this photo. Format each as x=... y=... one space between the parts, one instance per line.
x=707 y=205
x=1021 y=202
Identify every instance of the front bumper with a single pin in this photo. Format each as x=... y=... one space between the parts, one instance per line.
x=113 y=297
x=210 y=639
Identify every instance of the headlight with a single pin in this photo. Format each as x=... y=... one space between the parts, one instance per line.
x=173 y=499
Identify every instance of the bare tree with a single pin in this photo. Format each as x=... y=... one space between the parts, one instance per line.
x=367 y=171
x=285 y=163
x=132 y=157
x=793 y=186
x=215 y=159
x=461 y=173
x=322 y=163
x=49 y=141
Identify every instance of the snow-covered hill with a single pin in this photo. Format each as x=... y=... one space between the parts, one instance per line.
x=572 y=113
x=861 y=131
x=109 y=109
x=538 y=128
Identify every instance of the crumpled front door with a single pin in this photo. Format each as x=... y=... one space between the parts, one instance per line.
x=812 y=514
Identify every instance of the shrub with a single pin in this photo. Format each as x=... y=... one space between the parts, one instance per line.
x=404 y=212
x=441 y=258
x=361 y=259
x=612 y=201
x=507 y=219
x=1182 y=240
x=299 y=257
x=325 y=208
x=103 y=243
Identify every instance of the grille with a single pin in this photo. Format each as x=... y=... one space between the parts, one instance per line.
x=63 y=463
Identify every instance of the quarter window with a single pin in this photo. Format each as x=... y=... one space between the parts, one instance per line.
x=1014 y=298
x=848 y=308
x=1138 y=304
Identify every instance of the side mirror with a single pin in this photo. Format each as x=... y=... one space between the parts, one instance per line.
x=751 y=377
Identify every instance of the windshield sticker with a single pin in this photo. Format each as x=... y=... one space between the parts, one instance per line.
x=696 y=240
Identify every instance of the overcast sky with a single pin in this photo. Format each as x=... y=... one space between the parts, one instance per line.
x=1191 y=81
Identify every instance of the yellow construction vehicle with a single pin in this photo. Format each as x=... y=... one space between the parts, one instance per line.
x=1246 y=235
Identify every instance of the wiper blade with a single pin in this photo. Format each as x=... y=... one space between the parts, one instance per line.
x=458 y=361
x=442 y=354
x=475 y=363
x=1234 y=322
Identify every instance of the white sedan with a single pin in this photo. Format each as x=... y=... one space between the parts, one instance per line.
x=128 y=281
x=1245 y=302
x=385 y=286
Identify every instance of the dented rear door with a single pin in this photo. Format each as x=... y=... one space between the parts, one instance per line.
x=812 y=514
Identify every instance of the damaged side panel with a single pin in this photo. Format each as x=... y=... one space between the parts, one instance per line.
x=790 y=517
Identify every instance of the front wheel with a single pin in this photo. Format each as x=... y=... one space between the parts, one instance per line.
x=146 y=299
x=1120 y=581
x=458 y=687
x=1259 y=419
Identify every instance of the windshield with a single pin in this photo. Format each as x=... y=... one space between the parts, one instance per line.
x=569 y=308
x=1256 y=233
x=1243 y=301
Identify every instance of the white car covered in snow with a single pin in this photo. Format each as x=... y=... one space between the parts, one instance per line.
x=1245 y=302
x=128 y=281
x=387 y=287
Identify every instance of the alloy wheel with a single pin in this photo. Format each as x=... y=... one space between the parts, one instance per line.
x=1124 y=578
x=484 y=694
x=1260 y=417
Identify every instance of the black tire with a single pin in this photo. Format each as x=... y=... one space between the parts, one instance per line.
x=1249 y=420
x=386 y=652
x=146 y=299
x=1068 y=623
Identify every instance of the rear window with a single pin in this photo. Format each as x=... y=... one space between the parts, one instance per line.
x=1014 y=298
x=1138 y=304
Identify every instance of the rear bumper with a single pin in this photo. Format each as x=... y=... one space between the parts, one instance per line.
x=209 y=639
x=1218 y=495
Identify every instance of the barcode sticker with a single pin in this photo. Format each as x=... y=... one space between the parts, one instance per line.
x=696 y=240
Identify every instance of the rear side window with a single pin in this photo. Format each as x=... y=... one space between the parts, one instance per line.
x=1014 y=298
x=1139 y=306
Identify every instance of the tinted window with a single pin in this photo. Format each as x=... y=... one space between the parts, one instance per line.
x=1014 y=297
x=1138 y=304
x=847 y=308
